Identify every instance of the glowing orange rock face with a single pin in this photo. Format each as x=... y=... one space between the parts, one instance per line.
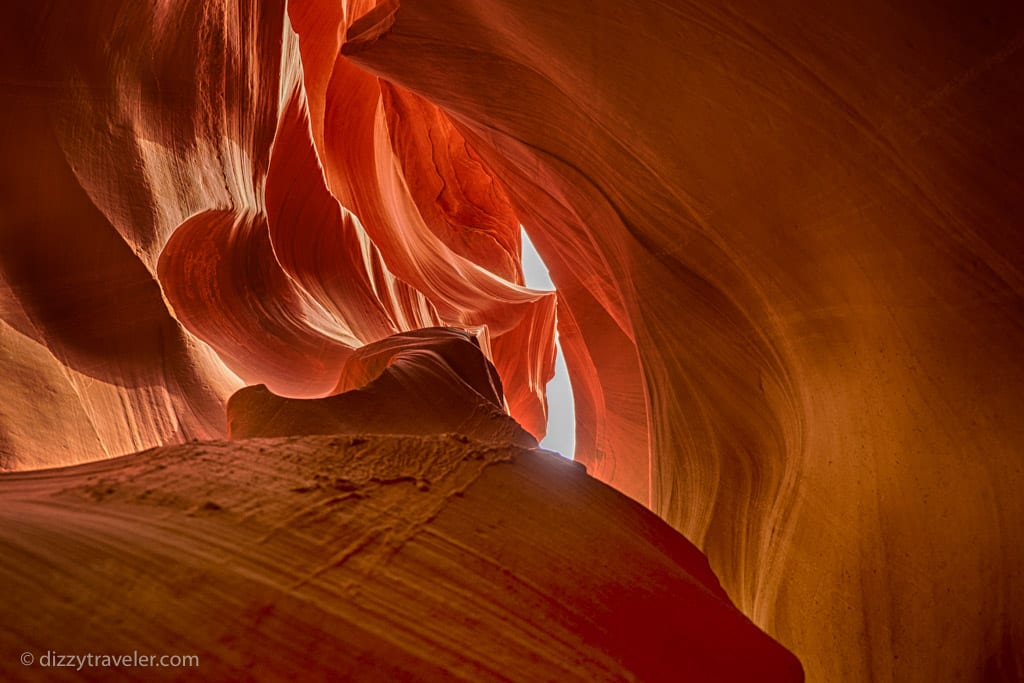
x=786 y=241
x=219 y=179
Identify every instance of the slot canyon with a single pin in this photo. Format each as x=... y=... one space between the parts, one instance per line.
x=273 y=384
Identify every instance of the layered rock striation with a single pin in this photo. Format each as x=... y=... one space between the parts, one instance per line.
x=786 y=241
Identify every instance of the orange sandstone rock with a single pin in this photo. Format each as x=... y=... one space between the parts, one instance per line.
x=430 y=381
x=787 y=244
x=786 y=240
x=330 y=558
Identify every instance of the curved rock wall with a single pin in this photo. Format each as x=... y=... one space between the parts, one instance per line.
x=786 y=239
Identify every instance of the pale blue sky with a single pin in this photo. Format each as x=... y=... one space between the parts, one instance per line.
x=561 y=415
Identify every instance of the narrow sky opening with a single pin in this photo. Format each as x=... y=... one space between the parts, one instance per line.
x=561 y=436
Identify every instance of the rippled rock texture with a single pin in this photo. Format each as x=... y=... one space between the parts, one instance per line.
x=334 y=558
x=787 y=242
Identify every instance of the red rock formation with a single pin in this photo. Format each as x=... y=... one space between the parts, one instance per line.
x=365 y=559
x=232 y=205
x=806 y=222
x=432 y=381
x=786 y=241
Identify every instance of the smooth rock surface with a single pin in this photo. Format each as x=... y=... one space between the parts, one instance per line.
x=361 y=558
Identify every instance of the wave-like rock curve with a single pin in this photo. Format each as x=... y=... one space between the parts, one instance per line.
x=786 y=242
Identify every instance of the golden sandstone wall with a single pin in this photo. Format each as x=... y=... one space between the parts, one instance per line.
x=786 y=237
